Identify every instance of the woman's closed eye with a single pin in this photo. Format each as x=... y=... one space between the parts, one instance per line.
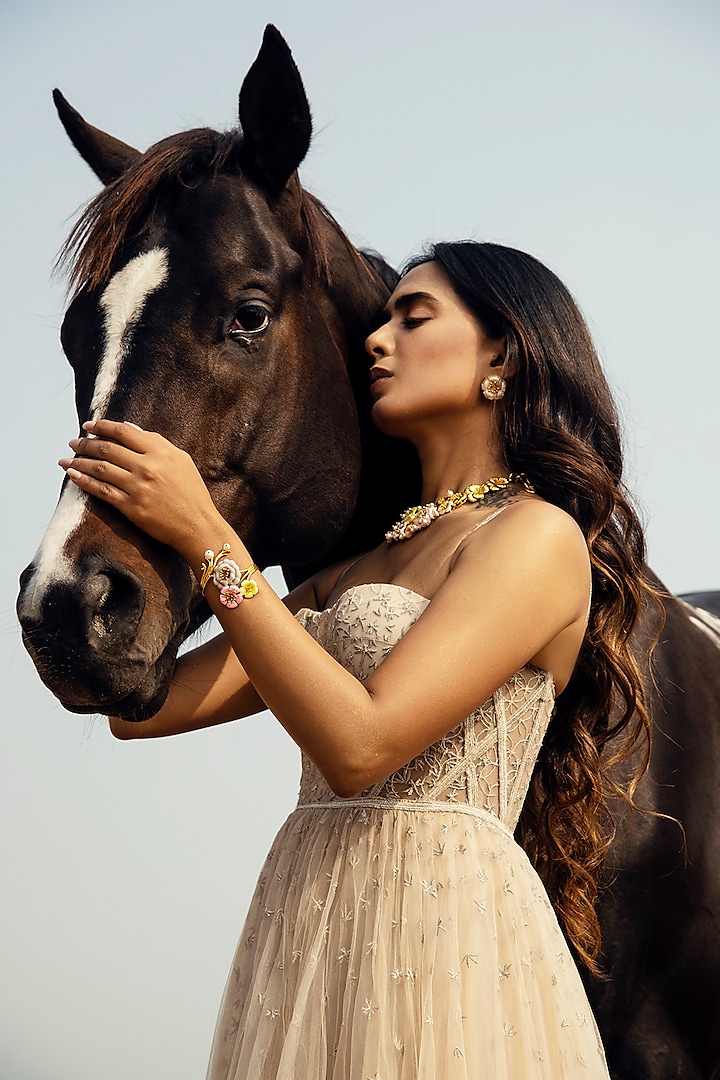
x=411 y=321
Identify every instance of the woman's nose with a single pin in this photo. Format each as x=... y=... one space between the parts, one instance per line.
x=379 y=343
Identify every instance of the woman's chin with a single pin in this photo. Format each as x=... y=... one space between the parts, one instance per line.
x=388 y=420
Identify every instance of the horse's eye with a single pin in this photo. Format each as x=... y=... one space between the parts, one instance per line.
x=251 y=318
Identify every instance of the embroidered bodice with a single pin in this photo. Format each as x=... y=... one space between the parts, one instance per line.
x=485 y=763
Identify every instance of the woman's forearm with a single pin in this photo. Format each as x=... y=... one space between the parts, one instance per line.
x=208 y=687
x=322 y=706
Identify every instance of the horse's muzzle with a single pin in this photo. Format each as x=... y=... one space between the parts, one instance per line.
x=85 y=631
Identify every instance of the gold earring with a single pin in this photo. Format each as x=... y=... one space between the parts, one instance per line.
x=493 y=387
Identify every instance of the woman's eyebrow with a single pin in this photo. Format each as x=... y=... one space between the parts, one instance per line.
x=401 y=303
x=406 y=300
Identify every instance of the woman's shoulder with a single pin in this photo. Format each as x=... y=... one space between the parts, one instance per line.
x=527 y=528
x=539 y=512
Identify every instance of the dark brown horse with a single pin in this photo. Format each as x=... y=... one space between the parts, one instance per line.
x=219 y=304
x=659 y=1013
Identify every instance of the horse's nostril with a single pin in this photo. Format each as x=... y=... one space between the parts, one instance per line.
x=97 y=589
x=115 y=598
x=30 y=616
x=100 y=604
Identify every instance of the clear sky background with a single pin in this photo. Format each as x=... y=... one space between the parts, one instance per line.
x=585 y=132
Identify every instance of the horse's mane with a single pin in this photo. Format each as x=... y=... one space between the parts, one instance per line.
x=119 y=213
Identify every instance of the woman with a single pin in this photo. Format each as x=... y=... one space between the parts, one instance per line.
x=398 y=931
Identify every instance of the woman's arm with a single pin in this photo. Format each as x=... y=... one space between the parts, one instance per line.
x=209 y=686
x=515 y=588
x=507 y=598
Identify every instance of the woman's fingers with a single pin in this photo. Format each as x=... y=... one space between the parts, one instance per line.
x=122 y=432
x=149 y=479
x=104 y=471
x=103 y=451
x=110 y=459
x=100 y=478
x=102 y=489
x=121 y=443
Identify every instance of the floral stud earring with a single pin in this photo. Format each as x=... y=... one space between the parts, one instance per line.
x=493 y=387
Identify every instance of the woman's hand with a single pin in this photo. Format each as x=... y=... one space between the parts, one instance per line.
x=151 y=481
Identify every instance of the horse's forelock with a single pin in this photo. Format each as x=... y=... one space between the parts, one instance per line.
x=117 y=215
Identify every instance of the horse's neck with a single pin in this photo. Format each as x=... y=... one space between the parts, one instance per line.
x=356 y=287
x=390 y=473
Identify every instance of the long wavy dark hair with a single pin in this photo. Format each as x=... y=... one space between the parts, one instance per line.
x=558 y=424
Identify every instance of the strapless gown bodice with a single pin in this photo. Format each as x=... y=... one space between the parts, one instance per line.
x=484 y=764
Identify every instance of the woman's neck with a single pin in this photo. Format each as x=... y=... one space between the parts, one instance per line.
x=450 y=461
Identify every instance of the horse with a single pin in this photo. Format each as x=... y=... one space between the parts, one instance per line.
x=659 y=1012
x=219 y=303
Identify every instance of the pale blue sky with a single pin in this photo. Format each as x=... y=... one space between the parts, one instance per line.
x=584 y=132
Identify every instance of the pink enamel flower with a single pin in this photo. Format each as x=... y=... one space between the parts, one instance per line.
x=231 y=596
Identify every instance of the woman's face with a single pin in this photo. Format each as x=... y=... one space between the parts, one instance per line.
x=429 y=357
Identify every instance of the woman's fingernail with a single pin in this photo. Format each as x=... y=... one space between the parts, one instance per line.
x=74 y=474
x=73 y=443
x=88 y=425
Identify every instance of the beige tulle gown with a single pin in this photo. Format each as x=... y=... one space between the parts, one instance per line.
x=403 y=934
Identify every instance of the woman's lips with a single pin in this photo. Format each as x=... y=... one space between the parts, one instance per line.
x=377 y=376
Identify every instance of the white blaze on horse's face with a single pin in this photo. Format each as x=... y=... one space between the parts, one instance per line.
x=122 y=303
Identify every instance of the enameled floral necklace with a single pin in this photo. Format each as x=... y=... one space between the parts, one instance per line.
x=419 y=517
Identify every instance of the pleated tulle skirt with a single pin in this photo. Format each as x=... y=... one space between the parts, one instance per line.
x=394 y=944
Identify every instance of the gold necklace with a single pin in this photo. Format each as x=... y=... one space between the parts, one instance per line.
x=419 y=517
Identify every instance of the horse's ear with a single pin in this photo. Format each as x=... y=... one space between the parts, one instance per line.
x=274 y=114
x=107 y=157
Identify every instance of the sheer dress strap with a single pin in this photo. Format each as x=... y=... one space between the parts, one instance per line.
x=480 y=524
x=485 y=521
x=453 y=555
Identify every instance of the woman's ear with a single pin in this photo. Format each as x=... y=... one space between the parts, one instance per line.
x=504 y=365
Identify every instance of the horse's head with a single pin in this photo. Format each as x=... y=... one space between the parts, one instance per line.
x=217 y=303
